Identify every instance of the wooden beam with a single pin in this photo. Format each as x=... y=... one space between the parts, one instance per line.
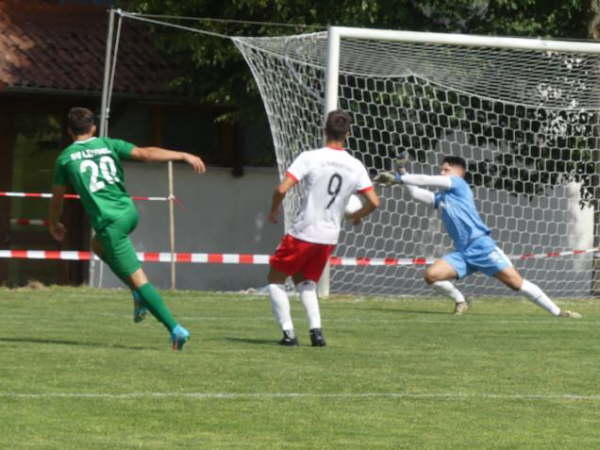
x=157 y=125
x=7 y=143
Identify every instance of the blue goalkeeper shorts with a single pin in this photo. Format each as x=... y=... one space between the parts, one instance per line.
x=486 y=259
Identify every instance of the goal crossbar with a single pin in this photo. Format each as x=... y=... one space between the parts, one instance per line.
x=464 y=40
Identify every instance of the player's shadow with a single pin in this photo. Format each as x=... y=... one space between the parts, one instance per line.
x=251 y=341
x=28 y=340
x=406 y=311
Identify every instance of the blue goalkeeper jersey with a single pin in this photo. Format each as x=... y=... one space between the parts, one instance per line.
x=461 y=219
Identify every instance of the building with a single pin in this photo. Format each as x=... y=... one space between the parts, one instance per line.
x=53 y=60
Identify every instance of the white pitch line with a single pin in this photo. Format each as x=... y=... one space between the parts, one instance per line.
x=294 y=395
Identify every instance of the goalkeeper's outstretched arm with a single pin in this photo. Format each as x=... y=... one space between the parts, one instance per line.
x=439 y=181
x=423 y=195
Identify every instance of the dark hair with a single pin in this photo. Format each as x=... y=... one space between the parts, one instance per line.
x=455 y=161
x=80 y=120
x=337 y=125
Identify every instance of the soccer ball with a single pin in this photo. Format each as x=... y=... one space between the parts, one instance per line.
x=355 y=202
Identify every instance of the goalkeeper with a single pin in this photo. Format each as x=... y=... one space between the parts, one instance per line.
x=92 y=166
x=474 y=249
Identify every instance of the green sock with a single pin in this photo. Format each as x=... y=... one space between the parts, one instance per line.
x=156 y=305
x=136 y=295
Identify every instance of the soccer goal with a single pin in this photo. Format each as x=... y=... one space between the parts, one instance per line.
x=523 y=112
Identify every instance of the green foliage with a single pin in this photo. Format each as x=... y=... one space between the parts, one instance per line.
x=546 y=18
x=215 y=71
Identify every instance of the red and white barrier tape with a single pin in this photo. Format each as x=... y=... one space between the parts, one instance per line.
x=237 y=258
x=336 y=261
x=75 y=196
x=198 y=258
x=36 y=222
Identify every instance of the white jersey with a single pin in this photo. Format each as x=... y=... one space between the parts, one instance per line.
x=330 y=176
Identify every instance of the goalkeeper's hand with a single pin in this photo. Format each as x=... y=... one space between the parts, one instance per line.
x=400 y=162
x=388 y=178
x=395 y=177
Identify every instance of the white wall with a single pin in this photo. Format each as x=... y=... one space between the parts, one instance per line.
x=220 y=214
x=227 y=215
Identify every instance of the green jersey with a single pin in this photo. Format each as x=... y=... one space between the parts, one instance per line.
x=93 y=168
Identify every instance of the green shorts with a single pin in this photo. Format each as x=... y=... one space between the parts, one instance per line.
x=117 y=249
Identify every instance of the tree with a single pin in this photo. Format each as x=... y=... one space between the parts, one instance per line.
x=215 y=72
x=532 y=18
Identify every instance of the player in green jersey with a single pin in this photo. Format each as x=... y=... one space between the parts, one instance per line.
x=92 y=166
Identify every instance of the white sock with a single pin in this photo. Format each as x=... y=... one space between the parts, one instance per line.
x=308 y=295
x=537 y=296
x=281 y=306
x=448 y=289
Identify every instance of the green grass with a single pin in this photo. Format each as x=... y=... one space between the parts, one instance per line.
x=76 y=373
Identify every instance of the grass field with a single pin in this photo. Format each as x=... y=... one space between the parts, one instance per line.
x=76 y=373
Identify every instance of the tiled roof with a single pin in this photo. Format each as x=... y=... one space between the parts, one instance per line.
x=67 y=53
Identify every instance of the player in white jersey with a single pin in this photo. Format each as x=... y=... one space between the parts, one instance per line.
x=329 y=176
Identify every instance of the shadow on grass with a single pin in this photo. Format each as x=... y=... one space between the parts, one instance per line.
x=28 y=340
x=407 y=311
x=252 y=341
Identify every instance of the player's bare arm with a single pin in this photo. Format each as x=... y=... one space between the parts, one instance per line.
x=278 y=196
x=157 y=154
x=371 y=203
x=56 y=228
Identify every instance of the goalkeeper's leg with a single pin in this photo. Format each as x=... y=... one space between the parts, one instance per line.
x=438 y=275
x=510 y=277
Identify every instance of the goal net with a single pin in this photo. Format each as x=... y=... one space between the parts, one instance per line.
x=523 y=113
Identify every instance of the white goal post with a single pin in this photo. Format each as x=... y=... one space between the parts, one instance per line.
x=524 y=113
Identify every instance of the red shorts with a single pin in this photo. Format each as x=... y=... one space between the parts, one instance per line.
x=295 y=256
